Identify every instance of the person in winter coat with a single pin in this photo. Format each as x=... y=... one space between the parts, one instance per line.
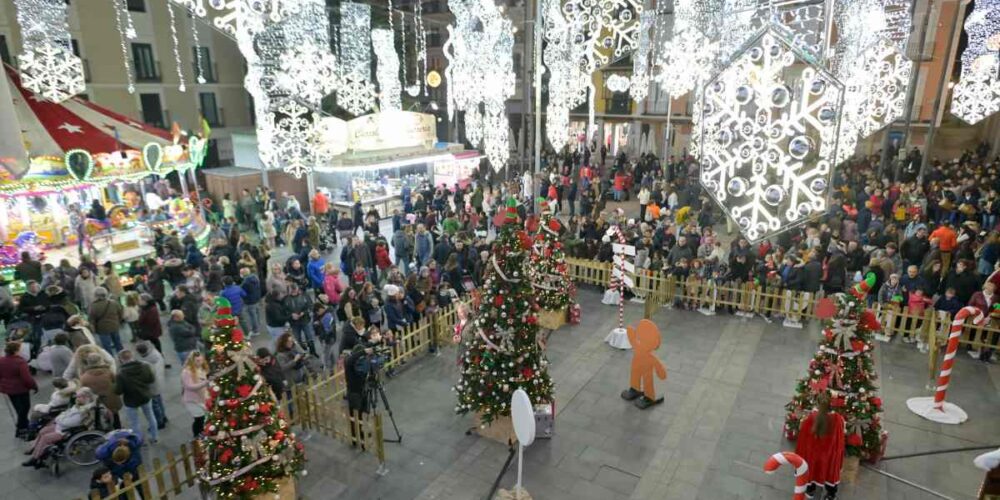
x=148 y=325
x=299 y=308
x=55 y=431
x=84 y=288
x=275 y=316
x=402 y=244
x=187 y=302
x=291 y=358
x=395 y=314
x=424 y=243
x=147 y=354
x=836 y=273
x=812 y=274
x=135 y=383
x=252 y=302
x=332 y=286
x=184 y=335
x=964 y=280
x=891 y=291
x=99 y=376
x=16 y=382
x=106 y=316
x=271 y=371
x=194 y=386
x=235 y=294
x=315 y=270
x=821 y=445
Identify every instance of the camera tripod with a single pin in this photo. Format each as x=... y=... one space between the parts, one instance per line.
x=375 y=390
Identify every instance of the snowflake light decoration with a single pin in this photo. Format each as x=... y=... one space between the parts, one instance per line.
x=565 y=61
x=977 y=94
x=480 y=73
x=52 y=72
x=390 y=95
x=229 y=15
x=684 y=60
x=309 y=72
x=357 y=96
x=875 y=94
x=294 y=138
x=617 y=83
x=639 y=84
x=769 y=135
x=610 y=27
x=47 y=66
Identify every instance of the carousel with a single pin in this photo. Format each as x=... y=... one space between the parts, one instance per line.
x=94 y=181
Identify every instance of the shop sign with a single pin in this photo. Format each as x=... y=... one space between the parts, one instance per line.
x=391 y=130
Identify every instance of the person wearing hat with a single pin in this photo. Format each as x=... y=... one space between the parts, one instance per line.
x=394 y=312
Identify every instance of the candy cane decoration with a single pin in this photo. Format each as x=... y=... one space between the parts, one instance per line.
x=801 y=470
x=619 y=283
x=936 y=408
x=949 y=355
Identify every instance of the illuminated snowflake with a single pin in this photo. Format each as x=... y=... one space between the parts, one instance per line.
x=769 y=136
x=52 y=72
x=685 y=60
x=977 y=94
x=610 y=27
x=294 y=138
x=229 y=14
x=308 y=71
x=356 y=96
x=565 y=56
x=639 y=84
x=874 y=94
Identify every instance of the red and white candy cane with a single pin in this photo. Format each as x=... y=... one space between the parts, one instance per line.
x=949 y=355
x=801 y=470
x=620 y=282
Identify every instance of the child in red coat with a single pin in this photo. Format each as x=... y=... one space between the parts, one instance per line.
x=821 y=445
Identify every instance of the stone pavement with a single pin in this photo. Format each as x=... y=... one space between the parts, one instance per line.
x=728 y=380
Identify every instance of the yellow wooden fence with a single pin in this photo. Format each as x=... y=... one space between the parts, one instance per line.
x=168 y=478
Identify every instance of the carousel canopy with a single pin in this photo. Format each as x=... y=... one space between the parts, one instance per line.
x=51 y=129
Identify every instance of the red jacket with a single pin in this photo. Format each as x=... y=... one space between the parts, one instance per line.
x=382 y=257
x=14 y=375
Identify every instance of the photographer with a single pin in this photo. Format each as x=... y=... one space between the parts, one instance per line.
x=361 y=368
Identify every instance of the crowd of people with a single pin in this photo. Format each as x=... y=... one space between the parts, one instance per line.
x=347 y=282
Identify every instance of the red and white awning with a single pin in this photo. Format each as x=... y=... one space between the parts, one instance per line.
x=51 y=129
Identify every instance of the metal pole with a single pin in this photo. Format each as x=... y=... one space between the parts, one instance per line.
x=911 y=90
x=946 y=77
x=906 y=482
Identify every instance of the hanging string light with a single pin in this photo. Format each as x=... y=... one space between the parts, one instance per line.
x=197 y=52
x=402 y=43
x=421 y=46
x=387 y=71
x=125 y=59
x=46 y=64
x=177 y=51
x=130 y=32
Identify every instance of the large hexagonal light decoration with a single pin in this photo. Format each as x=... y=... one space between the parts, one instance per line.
x=769 y=133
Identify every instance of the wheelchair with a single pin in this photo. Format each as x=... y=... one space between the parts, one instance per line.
x=80 y=443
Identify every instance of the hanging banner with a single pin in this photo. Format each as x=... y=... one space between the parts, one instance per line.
x=391 y=130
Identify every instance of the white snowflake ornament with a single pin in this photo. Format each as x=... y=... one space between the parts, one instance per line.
x=52 y=72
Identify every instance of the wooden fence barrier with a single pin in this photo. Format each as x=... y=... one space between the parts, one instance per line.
x=168 y=478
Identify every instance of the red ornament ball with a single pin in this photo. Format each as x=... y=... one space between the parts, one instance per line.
x=854 y=440
x=243 y=390
x=279 y=435
x=237 y=335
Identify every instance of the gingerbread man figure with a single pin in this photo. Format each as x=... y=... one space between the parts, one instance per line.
x=645 y=339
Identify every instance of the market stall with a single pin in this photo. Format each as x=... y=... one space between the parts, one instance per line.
x=457 y=170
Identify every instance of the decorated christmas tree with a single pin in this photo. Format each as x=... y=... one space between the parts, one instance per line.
x=554 y=289
x=843 y=368
x=502 y=353
x=249 y=447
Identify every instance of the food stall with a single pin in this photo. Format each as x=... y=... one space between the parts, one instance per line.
x=385 y=153
x=457 y=170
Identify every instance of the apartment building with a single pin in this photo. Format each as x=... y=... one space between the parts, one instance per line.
x=157 y=99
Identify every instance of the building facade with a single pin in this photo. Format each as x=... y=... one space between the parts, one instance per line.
x=158 y=99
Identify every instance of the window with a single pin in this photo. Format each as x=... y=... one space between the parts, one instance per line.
x=152 y=112
x=136 y=5
x=209 y=110
x=144 y=62
x=433 y=37
x=207 y=68
x=4 y=53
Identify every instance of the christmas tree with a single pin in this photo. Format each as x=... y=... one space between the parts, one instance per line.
x=248 y=444
x=843 y=368
x=503 y=354
x=554 y=289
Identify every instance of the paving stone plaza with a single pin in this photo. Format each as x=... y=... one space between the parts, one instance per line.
x=728 y=381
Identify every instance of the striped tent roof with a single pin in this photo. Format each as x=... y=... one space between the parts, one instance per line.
x=51 y=129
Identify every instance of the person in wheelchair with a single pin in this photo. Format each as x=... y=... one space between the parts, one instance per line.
x=77 y=418
x=43 y=413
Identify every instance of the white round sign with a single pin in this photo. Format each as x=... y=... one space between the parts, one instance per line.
x=523 y=415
